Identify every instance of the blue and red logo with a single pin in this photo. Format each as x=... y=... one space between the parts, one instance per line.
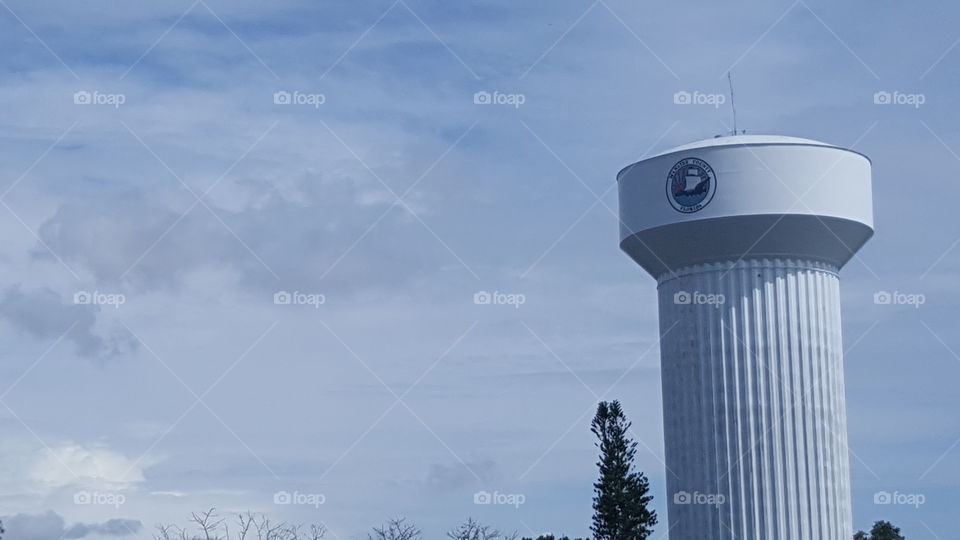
x=691 y=185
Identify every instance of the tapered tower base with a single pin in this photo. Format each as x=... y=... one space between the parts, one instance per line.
x=754 y=415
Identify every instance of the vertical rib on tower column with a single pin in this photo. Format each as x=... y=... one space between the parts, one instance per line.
x=754 y=415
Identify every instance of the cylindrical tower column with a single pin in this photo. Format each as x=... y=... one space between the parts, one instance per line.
x=745 y=236
x=754 y=415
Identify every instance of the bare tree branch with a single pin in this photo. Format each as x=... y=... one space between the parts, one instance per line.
x=395 y=529
x=213 y=527
x=473 y=530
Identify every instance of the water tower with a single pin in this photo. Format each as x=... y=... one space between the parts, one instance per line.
x=745 y=236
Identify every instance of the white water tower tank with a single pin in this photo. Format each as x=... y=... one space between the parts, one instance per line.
x=745 y=236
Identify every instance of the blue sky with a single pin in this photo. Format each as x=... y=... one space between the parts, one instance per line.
x=398 y=199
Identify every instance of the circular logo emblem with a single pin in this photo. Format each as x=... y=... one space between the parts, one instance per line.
x=690 y=185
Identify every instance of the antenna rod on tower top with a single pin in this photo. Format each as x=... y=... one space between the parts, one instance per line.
x=733 y=104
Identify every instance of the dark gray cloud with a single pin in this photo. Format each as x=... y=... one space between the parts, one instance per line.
x=111 y=527
x=51 y=526
x=46 y=315
x=272 y=241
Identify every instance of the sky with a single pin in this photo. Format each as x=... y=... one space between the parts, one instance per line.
x=247 y=247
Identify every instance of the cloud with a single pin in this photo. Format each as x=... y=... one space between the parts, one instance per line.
x=458 y=475
x=43 y=314
x=176 y=494
x=87 y=467
x=298 y=230
x=50 y=526
x=112 y=527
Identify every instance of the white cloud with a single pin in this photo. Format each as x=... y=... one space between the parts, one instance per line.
x=87 y=467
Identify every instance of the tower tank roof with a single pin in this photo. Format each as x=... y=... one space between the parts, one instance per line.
x=743 y=140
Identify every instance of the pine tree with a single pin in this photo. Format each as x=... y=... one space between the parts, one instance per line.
x=882 y=530
x=621 y=495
